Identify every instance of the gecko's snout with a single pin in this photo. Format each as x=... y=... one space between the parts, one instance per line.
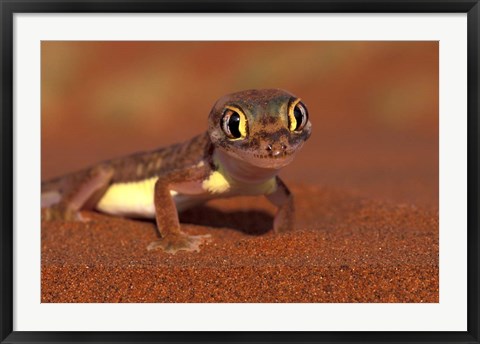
x=276 y=149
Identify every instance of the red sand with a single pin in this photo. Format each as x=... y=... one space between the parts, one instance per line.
x=345 y=249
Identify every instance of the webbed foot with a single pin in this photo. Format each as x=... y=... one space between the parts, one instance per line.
x=178 y=242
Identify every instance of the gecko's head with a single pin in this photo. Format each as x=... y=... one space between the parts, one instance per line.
x=262 y=127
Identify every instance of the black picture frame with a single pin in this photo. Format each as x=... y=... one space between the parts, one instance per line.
x=10 y=7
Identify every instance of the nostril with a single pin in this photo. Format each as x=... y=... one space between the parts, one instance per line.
x=284 y=146
x=269 y=147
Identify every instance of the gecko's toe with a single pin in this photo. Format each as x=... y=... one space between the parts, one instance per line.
x=82 y=218
x=181 y=242
x=62 y=214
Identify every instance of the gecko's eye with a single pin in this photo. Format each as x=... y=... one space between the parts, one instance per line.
x=234 y=124
x=297 y=116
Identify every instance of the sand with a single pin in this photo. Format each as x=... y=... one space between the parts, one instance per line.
x=346 y=247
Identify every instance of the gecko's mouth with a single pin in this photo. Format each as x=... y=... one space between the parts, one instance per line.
x=273 y=159
x=270 y=160
x=280 y=155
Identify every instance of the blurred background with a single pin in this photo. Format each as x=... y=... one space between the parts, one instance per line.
x=373 y=105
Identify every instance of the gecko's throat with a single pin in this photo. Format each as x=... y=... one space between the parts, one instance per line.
x=242 y=170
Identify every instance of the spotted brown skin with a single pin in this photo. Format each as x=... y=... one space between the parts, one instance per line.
x=251 y=135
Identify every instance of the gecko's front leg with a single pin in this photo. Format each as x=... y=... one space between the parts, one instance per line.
x=166 y=214
x=283 y=199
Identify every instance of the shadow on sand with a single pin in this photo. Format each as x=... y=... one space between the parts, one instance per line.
x=252 y=222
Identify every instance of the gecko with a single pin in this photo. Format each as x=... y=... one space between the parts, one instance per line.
x=251 y=135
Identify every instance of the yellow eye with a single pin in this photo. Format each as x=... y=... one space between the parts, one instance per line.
x=297 y=116
x=234 y=123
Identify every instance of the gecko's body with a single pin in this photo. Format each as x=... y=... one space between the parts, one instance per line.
x=251 y=135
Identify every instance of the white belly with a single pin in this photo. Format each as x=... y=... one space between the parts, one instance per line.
x=136 y=199
x=133 y=199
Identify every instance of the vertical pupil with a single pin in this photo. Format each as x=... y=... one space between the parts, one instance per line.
x=298 y=116
x=234 y=125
